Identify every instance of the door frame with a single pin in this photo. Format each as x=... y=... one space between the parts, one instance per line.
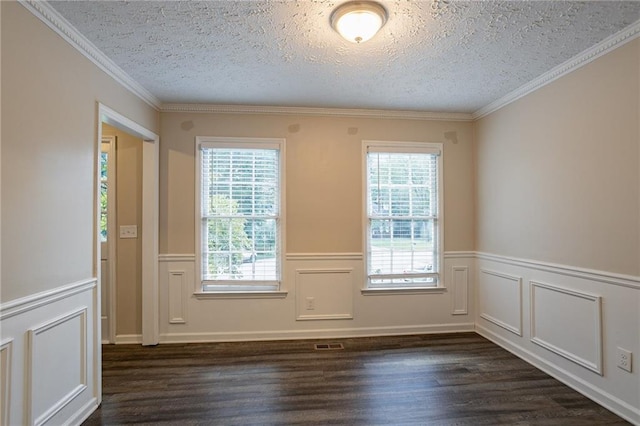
x=150 y=223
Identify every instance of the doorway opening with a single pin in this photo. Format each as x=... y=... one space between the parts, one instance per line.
x=149 y=220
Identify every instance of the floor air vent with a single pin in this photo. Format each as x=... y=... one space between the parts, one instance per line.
x=328 y=346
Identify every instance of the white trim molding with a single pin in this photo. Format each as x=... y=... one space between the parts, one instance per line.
x=335 y=295
x=605 y=46
x=459 y=254
x=459 y=290
x=28 y=303
x=203 y=295
x=34 y=353
x=402 y=291
x=168 y=257
x=321 y=112
x=150 y=215
x=50 y=355
x=326 y=333
x=129 y=339
x=575 y=382
x=513 y=328
x=570 y=271
x=177 y=288
x=47 y=14
x=323 y=256
x=6 y=355
x=594 y=320
x=191 y=257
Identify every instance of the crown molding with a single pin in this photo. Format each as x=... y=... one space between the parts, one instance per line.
x=324 y=112
x=47 y=14
x=605 y=46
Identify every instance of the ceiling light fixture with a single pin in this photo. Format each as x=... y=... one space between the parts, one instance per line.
x=358 y=21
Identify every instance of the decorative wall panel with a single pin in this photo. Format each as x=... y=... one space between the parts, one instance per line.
x=460 y=290
x=500 y=300
x=568 y=323
x=324 y=294
x=177 y=297
x=57 y=367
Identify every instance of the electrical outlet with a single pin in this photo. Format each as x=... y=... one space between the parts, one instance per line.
x=624 y=359
x=310 y=303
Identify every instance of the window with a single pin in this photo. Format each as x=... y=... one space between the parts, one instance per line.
x=104 y=183
x=239 y=208
x=404 y=222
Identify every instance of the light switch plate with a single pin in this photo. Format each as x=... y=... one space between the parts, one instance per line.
x=129 y=231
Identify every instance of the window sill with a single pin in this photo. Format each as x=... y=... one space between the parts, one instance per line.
x=241 y=294
x=405 y=290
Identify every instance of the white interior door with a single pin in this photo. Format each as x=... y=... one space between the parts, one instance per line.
x=107 y=237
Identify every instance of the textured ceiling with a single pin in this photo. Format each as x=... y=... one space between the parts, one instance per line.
x=441 y=56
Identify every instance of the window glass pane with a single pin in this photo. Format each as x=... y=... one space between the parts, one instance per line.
x=402 y=205
x=240 y=208
x=103 y=196
x=103 y=227
x=103 y=165
x=401 y=246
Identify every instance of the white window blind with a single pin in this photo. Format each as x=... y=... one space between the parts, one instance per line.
x=403 y=217
x=240 y=217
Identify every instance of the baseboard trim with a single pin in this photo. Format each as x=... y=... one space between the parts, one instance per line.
x=83 y=413
x=333 y=333
x=612 y=403
x=129 y=339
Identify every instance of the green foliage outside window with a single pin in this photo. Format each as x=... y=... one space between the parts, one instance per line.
x=227 y=239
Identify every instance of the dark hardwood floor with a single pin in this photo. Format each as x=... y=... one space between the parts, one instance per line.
x=446 y=379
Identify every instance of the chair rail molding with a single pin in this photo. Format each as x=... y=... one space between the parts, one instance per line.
x=28 y=303
x=181 y=257
x=605 y=277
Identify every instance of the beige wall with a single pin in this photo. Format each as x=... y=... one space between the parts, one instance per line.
x=559 y=170
x=128 y=250
x=324 y=175
x=49 y=111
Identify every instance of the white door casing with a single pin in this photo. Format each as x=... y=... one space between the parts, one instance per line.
x=150 y=205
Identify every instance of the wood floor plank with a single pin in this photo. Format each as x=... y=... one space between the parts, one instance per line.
x=448 y=379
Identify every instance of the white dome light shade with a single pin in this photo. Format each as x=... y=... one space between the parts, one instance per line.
x=358 y=21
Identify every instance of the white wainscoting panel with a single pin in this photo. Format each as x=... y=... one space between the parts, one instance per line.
x=574 y=319
x=568 y=323
x=177 y=297
x=334 y=281
x=57 y=367
x=459 y=290
x=500 y=299
x=329 y=291
x=50 y=356
x=6 y=349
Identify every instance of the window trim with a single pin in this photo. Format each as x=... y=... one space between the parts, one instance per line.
x=242 y=143
x=403 y=147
